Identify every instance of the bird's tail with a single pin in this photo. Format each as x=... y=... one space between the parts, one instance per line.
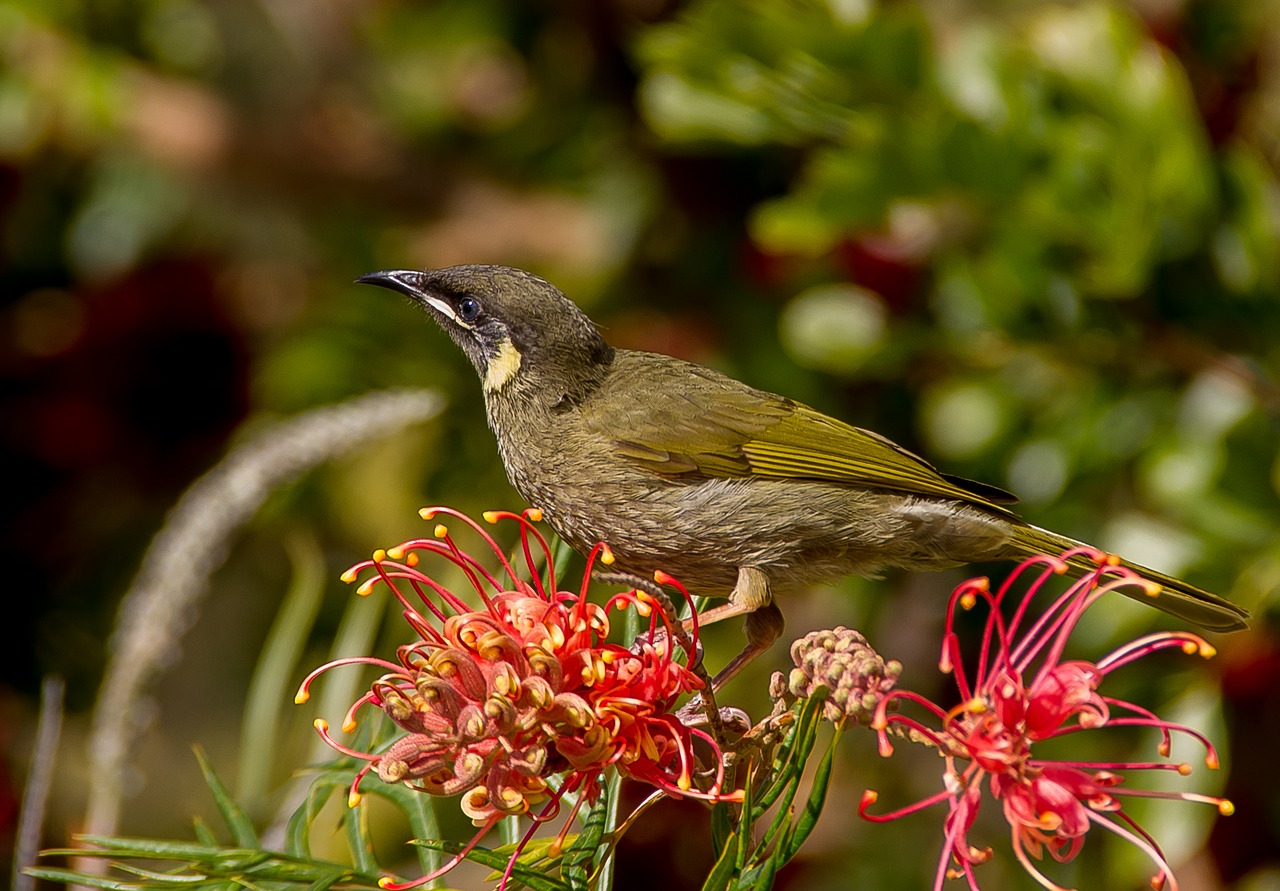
x=1175 y=597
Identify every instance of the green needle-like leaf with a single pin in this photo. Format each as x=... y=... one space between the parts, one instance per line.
x=359 y=839
x=242 y=831
x=725 y=869
x=70 y=877
x=497 y=860
x=817 y=797
x=722 y=827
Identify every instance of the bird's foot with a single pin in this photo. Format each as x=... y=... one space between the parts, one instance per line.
x=733 y=723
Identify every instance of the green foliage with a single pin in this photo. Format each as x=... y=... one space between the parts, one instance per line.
x=1059 y=151
x=769 y=811
x=206 y=865
x=748 y=857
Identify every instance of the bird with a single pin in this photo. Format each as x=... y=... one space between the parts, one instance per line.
x=734 y=491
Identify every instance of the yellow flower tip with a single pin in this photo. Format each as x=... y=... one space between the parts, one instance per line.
x=1211 y=761
x=1208 y=650
x=737 y=796
x=1226 y=808
x=608 y=657
x=379 y=555
x=968 y=601
x=365 y=587
x=321 y=724
x=643 y=610
x=396 y=553
x=491 y=516
x=301 y=696
x=870 y=797
x=684 y=782
x=534 y=514
x=426 y=513
x=1163 y=749
x=1110 y=560
x=441 y=530
x=349 y=575
x=1184 y=769
x=975 y=706
x=1152 y=589
x=353 y=799
x=606 y=555
x=411 y=559
x=349 y=725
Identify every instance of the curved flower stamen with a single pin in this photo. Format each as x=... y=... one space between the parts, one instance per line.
x=499 y=699
x=1020 y=693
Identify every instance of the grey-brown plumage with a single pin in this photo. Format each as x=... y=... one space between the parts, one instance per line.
x=728 y=488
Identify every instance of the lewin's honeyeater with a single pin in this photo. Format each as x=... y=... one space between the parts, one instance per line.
x=734 y=491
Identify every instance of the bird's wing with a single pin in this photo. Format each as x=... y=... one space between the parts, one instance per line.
x=694 y=422
x=808 y=444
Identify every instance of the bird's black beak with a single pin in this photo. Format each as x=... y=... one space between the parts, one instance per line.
x=406 y=281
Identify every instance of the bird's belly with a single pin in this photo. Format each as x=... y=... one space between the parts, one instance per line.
x=799 y=532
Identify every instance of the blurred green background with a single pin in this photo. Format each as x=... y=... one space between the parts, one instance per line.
x=1036 y=242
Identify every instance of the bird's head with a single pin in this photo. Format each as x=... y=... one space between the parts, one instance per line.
x=517 y=329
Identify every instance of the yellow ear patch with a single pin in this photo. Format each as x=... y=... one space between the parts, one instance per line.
x=502 y=367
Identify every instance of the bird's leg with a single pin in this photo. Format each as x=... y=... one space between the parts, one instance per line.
x=764 y=622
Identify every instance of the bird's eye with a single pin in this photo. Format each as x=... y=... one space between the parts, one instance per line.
x=468 y=309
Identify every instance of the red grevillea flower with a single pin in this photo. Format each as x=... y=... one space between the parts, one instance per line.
x=516 y=700
x=1021 y=693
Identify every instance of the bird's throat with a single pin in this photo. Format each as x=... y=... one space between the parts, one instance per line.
x=502 y=367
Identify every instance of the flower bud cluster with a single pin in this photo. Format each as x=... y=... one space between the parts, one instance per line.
x=842 y=664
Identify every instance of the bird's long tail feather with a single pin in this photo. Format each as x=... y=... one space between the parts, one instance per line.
x=1176 y=597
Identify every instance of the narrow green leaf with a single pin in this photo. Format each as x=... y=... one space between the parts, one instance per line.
x=163 y=878
x=817 y=797
x=612 y=797
x=71 y=877
x=509 y=831
x=579 y=858
x=497 y=860
x=780 y=827
x=722 y=828
x=561 y=554
x=725 y=869
x=324 y=884
x=746 y=827
x=203 y=833
x=359 y=840
x=759 y=878
x=297 y=833
x=242 y=831
x=792 y=753
x=143 y=848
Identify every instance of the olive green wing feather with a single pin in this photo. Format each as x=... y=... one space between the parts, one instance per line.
x=689 y=421
x=808 y=444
